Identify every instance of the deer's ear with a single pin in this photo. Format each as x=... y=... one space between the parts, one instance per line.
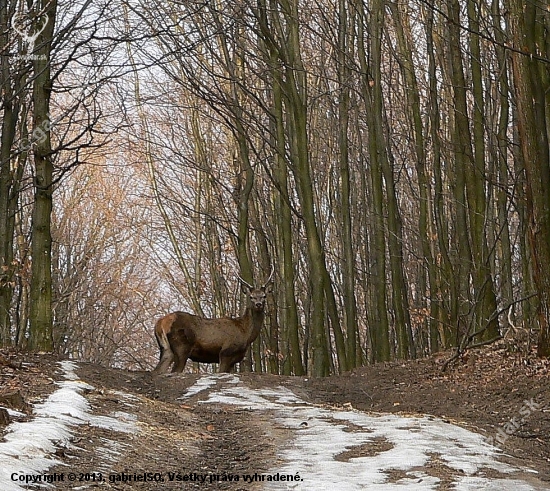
x=268 y=288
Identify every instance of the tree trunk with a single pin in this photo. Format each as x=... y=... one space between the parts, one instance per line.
x=371 y=85
x=501 y=161
x=348 y=259
x=10 y=85
x=446 y=296
x=432 y=289
x=530 y=86
x=41 y=316
x=285 y=236
x=296 y=89
x=476 y=178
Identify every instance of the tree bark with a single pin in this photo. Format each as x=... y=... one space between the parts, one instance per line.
x=284 y=226
x=348 y=260
x=41 y=315
x=371 y=90
x=530 y=85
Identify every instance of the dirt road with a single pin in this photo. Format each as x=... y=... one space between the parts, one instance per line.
x=128 y=430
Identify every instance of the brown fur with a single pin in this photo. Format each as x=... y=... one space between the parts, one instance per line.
x=182 y=336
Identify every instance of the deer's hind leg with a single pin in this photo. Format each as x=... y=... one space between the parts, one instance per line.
x=166 y=359
x=181 y=353
x=166 y=354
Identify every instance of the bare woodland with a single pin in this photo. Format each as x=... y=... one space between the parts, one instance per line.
x=390 y=160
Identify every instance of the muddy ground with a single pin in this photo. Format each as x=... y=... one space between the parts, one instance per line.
x=493 y=391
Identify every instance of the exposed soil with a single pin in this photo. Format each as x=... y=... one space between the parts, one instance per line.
x=497 y=393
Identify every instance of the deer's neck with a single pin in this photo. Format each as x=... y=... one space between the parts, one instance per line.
x=256 y=321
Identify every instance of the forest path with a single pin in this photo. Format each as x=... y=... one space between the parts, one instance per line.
x=106 y=429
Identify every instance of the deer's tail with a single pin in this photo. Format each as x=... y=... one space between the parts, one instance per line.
x=166 y=358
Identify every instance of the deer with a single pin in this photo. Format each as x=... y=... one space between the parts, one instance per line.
x=182 y=336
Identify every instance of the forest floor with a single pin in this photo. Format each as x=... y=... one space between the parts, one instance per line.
x=188 y=426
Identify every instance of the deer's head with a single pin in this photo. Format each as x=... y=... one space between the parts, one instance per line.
x=257 y=296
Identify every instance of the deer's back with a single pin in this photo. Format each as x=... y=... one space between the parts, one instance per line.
x=210 y=334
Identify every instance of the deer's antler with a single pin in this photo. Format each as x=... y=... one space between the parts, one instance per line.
x=270 y=276
x=245 y=283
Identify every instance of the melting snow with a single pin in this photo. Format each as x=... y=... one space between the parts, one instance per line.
x=208 y=381
x=29 y=446
x=410 y=443
x=322 y=440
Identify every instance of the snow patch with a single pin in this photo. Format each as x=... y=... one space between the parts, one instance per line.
x=207 y=382
x=320 y=435
x=28 y=447
x=13 y=413
x=109 y=451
